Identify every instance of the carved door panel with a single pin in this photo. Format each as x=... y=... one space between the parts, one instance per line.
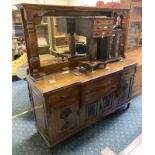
x=66 y=119
x=115 y=99
x=88 y=113
x=125 y=90
x=104 y=104
x=126 y=84
x=91 y=110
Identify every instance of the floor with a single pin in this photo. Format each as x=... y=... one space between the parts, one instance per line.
x=115 y=131
x=134 y=148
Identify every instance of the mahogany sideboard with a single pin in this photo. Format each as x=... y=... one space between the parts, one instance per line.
x=67 y=101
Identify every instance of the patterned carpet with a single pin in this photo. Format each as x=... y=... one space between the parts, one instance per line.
x=115 y=131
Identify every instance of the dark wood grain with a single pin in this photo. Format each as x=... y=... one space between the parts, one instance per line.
x=67 y=100
x=76 y=102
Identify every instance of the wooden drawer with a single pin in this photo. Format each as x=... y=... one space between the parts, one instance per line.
x=103 y=91
x=107 y=85
x=128 y=74
x=88 y=92
x=100 y=33
x=64 y=95
x=90 y=87
x=89 y=98
x=102 y=27
x=103 y=22
x=113 y=80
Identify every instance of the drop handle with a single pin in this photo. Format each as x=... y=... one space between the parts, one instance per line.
x=105 y=27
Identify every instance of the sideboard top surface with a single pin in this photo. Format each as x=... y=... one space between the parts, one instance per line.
x=61 y=79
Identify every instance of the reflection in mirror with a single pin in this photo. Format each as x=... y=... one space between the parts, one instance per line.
x=43 y=36
x=57 y=40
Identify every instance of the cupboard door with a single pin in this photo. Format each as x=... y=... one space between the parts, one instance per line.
x=115 y=99
x=62 y=112
x=88 y=113
x=127 y=78
x=107 y=103
x=65 y=119
x=90 y=110
x=125 y=90
x=137 y=84
x=39 y=110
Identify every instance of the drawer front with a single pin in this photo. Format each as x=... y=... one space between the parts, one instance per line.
x=88 y=92
x=102 y=91
x=100 y=33
x=128 y=74
x=102 y=27
x=125 y=91
x=109 y=81
x=89 y=88
x=64 y=95
x=103 y=22
x=88 y=98
x=107 y=85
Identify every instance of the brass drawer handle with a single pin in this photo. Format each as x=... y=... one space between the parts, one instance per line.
x=105 y=27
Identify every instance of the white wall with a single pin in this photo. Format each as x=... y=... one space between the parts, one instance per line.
x=61 y=2
x=87 y=2
x=54 y=2
x=82 y=2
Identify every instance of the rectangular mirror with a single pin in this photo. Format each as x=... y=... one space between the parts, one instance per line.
x=58 y=41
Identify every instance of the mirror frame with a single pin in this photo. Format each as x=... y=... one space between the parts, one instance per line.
x=32 y=15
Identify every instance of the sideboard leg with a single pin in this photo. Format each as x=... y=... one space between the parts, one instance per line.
x=128 y=105
x=52 y=150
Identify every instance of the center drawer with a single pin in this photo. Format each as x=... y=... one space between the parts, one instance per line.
x=90 y=87
x=107 y=85
x=99 y=87
x=108 y=81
